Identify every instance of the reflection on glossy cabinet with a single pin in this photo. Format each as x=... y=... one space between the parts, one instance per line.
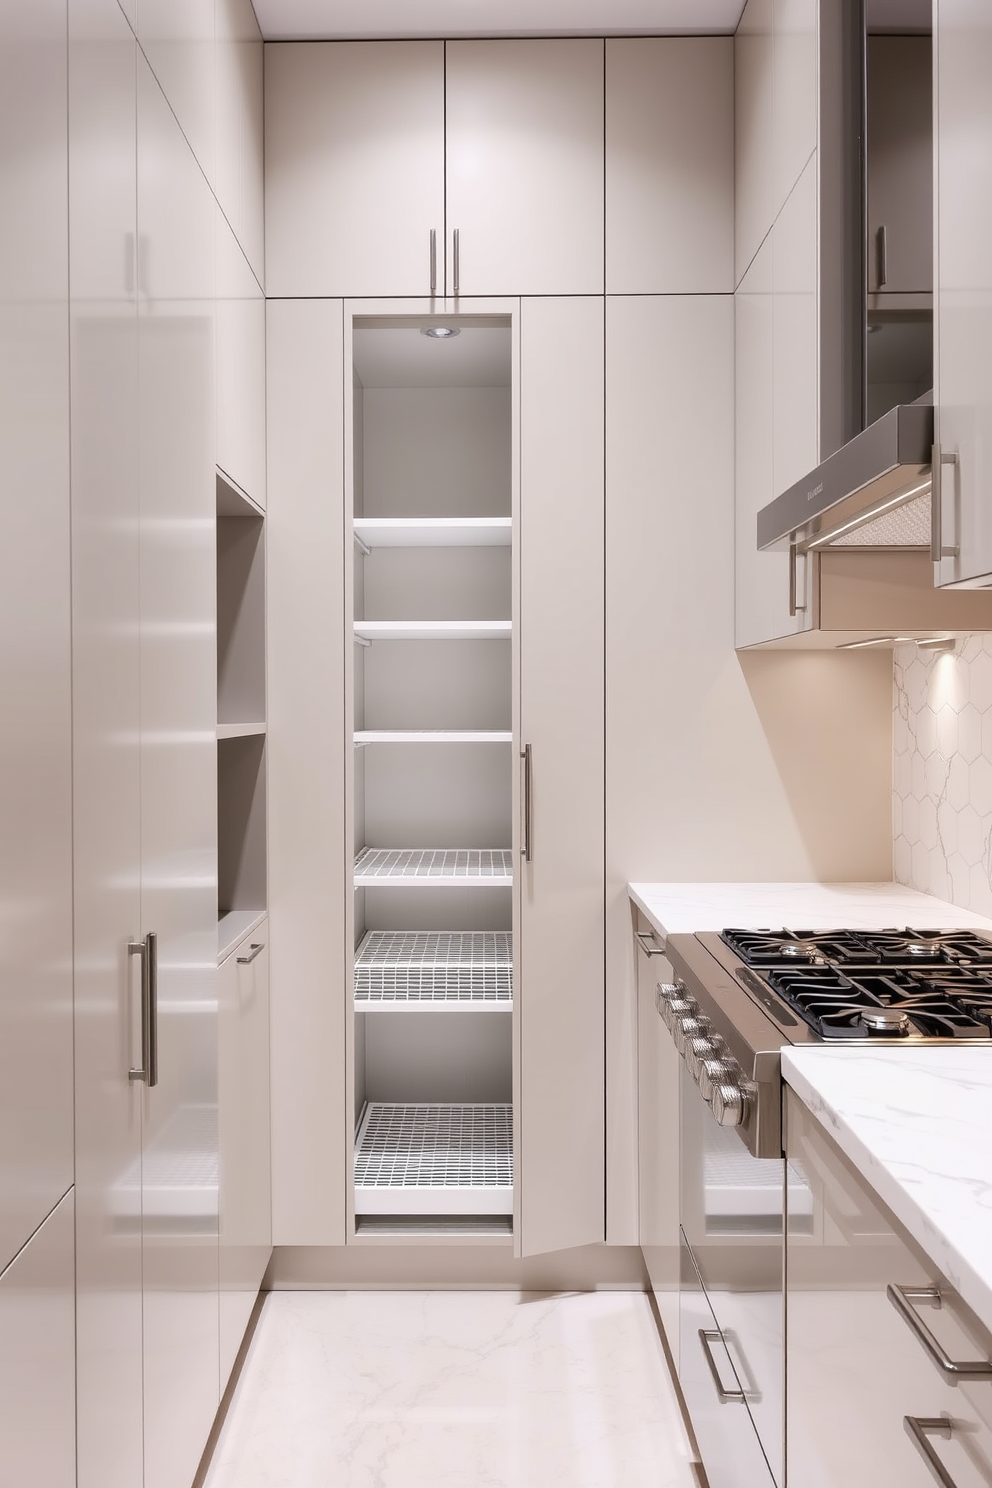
x=669 y=165
x=963 y=287
x=35 y=760
x=900 y=165
x=240 y=368
x=37 y=1359
x=239 y=101
x=854 y=1357
x=524 y=167
x=245 y=1189
x=354 y=167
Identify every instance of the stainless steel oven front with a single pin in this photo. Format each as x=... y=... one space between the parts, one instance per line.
x=732 y=1199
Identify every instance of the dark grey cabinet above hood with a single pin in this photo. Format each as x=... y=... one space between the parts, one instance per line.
x=874 y=492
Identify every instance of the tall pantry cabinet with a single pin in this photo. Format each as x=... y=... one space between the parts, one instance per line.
x=36 y=1197
x=440 y=923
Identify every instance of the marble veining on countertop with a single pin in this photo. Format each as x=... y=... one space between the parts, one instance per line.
x=684 y=908
x=917 y=1123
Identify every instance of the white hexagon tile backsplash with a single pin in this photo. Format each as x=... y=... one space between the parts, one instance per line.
x=942 y=772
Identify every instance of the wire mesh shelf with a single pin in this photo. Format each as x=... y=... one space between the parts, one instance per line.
x=434 y=1159
x=444 y=867
x=447 y=969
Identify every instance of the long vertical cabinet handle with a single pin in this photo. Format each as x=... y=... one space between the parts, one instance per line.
x=795 y=608
x=433 y=261
x=882 y=256
x=937 y=549
x=151 y=961
x=456 y=262
x=147 y=950
x=526 y=755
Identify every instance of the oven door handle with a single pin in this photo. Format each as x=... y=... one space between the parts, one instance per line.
x=706 y=1335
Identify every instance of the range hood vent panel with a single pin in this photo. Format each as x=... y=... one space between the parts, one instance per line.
x=852 y=498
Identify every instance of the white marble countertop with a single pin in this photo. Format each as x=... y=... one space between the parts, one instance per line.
x=683 y=908
x=917 y=1124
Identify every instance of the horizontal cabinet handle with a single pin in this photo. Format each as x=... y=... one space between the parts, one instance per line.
x=902 y=1299
x=648 y=944
x=921 y=1428
x=255 y=949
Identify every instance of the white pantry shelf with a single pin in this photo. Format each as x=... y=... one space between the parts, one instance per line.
x=433 y=736
x=433 y=630
x=239 y=730
x=443 y=970
x=433 y=532
x=434 y=867
x=434 y=1159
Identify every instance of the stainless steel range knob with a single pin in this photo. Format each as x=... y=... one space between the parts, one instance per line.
x=699 y=1047
x=666 y=992
x=676 y=1008
x=714 y=1072
x=689 y=1028
x=729 y=1103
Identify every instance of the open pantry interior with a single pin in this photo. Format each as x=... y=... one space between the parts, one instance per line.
x=432 y=813
x=241 y=805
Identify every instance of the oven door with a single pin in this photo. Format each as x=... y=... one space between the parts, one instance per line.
x=732 y=1230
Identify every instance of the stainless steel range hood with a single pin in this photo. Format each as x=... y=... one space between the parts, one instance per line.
x=874 y=492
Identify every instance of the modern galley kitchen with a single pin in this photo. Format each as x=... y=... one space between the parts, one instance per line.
x=498 y=695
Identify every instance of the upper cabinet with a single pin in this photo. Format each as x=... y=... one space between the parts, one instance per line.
x=900 y=165
x=524 y=124
x=499 y=167
x=354 y=168
x=963 y=291
x=669 y=165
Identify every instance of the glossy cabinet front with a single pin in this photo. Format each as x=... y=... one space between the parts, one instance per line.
x=35 y=738
x=657 y=1133
x=963 y=286
x=858 y=1371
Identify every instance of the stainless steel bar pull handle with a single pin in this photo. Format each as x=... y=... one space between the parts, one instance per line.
x=882 y=256
x=456 y=262
x=433 y=260
x=528 y=758
x=795 y=608
x=921 y=1428
x=147 y=949
x=902 y=1299
x=254 y=949
x=648 y=944
x=706 y=1337
x=937 y=461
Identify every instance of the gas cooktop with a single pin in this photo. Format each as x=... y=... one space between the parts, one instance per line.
x=860 y=984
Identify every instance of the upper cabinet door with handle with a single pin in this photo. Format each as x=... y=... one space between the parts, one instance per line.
x=525 y=167
x=354 y=168
x=963 y=290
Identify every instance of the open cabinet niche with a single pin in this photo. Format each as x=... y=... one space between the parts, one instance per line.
x=432 y=778
x=241 y=714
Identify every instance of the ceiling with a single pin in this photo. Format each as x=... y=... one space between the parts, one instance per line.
x=302 y=20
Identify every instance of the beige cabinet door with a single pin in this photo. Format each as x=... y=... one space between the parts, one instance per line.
x=106 y=558
x=178 y=688
x=559 y=1111
x=354 y=168
x=963 y=287
x=37 y=1364
x=670 y=165
x=900 y=164
x=657 y=1132
x=309 y=860
x=35 y=683
x=524 y=164
x=245 y=1187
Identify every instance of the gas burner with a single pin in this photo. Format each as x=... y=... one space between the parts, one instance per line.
x=892 y=1002
x=928 y=947
x=768 y=948
x=885 y=1020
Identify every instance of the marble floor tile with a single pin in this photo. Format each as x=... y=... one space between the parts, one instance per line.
x=453 y=1390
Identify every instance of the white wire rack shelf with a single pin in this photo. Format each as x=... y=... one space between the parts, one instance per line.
x=433 y=630
x=442 y=970
x=434 y=867
x=434 y=1159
